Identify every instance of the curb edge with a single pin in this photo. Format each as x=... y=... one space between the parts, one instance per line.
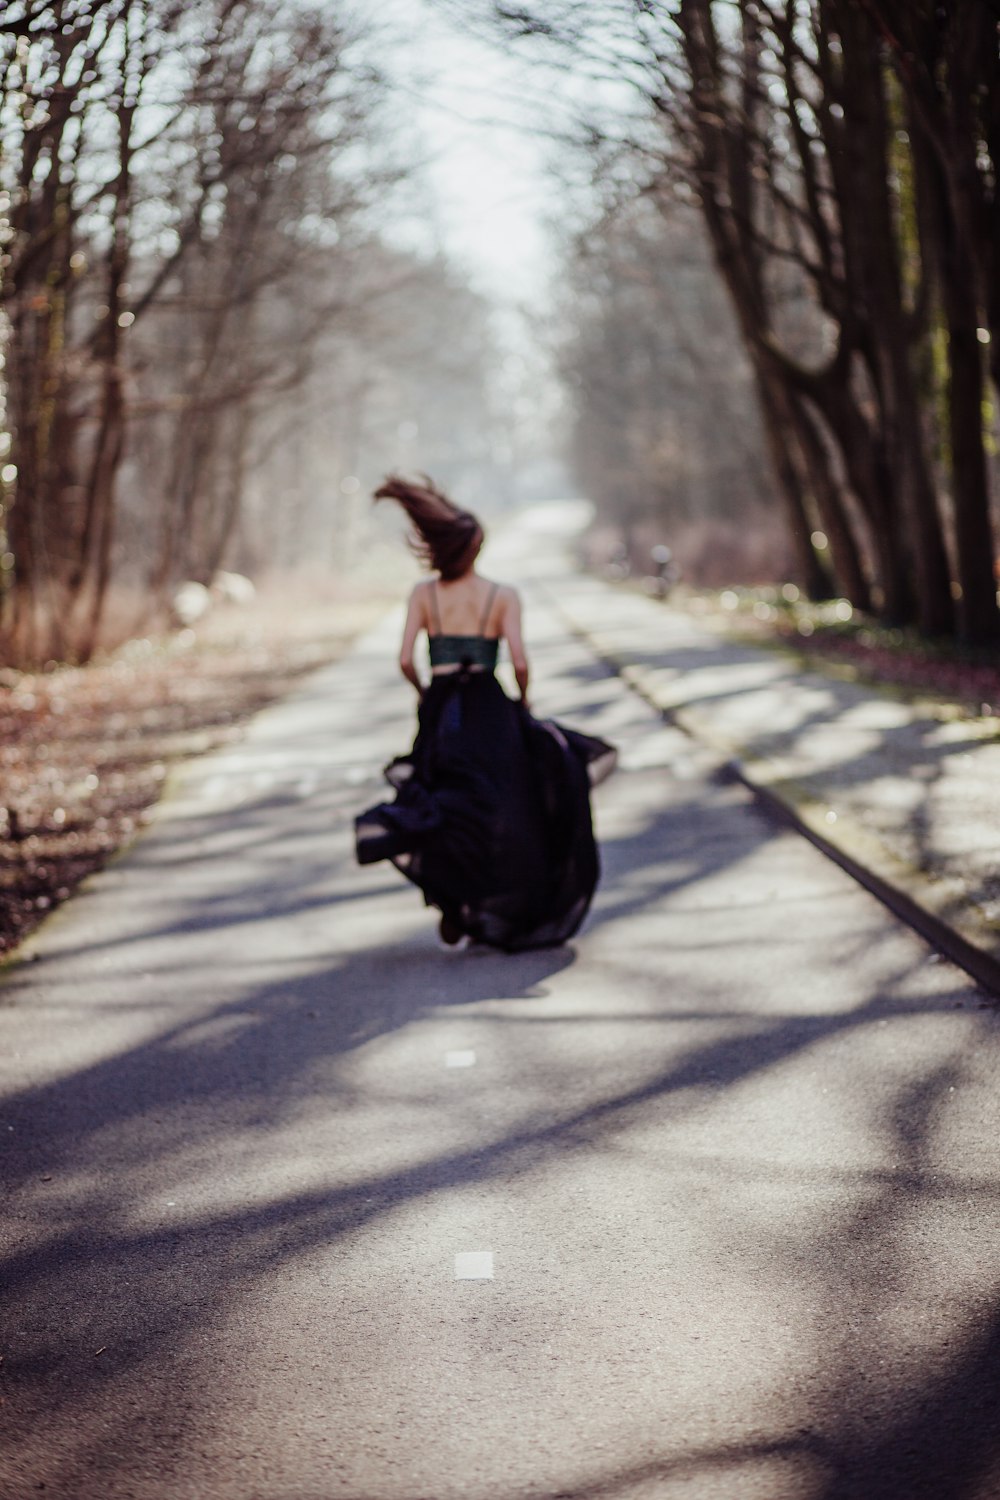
x=978 y=962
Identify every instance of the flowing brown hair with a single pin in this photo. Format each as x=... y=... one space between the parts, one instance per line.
x=444 y=537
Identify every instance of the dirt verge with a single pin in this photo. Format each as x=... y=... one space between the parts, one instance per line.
x=84 y=751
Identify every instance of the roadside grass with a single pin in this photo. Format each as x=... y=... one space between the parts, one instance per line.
x=832 y=634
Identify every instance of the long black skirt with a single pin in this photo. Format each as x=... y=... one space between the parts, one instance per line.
x=491 y=817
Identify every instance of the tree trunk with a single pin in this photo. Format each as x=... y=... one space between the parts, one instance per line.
x=885 y=332
x=102 y=510
x=844 y=551
x=813 y=575
x=865 y=463
x=947 y=250
x=978 y=616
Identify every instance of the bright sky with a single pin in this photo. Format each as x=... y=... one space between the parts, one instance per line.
x=486 y=171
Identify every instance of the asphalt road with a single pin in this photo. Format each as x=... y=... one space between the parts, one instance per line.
x=298 y=1207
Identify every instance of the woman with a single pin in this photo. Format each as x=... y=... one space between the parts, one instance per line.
x=491 y=817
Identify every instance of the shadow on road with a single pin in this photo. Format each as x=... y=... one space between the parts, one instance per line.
x=897 y=1412
x=895 y=1433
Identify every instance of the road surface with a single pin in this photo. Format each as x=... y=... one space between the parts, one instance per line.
x=298 y=1207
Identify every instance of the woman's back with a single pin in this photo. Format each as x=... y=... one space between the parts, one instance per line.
x=471 y=605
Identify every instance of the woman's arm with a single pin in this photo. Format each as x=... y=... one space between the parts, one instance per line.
x=415 y=621
x=510 y=629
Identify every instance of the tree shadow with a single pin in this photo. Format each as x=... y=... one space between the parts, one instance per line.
x=113 y=1268
x=132 y=1116
x=860 y=756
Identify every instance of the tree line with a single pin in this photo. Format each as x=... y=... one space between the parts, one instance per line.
x=196 y=300
x=843 y=158
x=662 y=429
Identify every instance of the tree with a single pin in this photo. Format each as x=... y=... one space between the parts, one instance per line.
x=646 y=352
x=174 y=176
x=843 y=156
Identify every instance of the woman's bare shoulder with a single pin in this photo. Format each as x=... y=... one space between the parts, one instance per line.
x=504 y=591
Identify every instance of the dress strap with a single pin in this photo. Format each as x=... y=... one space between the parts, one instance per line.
x=489 y=609
x=434 y=608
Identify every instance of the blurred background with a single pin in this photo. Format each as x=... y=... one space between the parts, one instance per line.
x=727 y=269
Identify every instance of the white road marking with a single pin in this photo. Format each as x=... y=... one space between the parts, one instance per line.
x=460 y=1059
x=474 y=1265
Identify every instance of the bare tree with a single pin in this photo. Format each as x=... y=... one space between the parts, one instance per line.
x=843 y=156
x=174 y=176
x=647 y=355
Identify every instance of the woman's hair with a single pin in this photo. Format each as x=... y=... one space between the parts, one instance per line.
x=444 y=537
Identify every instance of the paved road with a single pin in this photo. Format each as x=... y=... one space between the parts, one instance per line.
x=730 y=1157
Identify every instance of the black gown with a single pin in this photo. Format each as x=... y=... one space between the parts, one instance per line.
x=491 y=814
